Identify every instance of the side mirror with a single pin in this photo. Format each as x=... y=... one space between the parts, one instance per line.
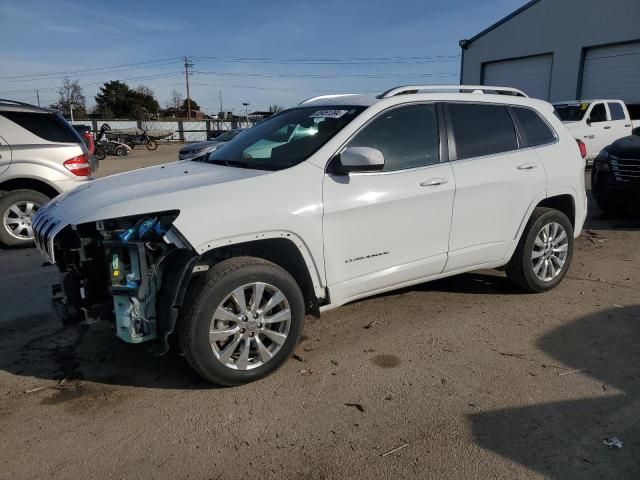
x=360 y=159
x=589 y=121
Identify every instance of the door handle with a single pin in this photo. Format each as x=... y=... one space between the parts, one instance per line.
x=432 y=182
x=527 y=166
x=627 y=125
x=607 y=128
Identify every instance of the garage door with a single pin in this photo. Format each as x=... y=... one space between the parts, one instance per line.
x=612 y=72
x=532 y=75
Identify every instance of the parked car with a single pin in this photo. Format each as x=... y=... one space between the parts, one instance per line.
x=85 y=132
x=376 y=193
x=41 y=155
x=615 y=177
x=200 y=149
x=597 y=123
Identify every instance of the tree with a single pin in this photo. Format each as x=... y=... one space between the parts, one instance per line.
x=70 y=95
x=275 y=108
x=145 y=102
x=175 y=100
x=194 y=105
x=117 y=98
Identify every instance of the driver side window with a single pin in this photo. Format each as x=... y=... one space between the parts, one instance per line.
x=408 y=137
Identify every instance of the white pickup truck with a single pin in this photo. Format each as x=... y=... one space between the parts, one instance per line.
x=597 y=123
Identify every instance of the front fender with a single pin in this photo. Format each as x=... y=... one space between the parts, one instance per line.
x=313 y=266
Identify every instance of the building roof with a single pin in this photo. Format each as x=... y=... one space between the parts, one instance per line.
x=526 y=6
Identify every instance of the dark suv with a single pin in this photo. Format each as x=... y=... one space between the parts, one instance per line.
x=615 y=178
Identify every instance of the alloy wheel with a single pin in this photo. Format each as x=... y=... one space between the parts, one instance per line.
x=18 y=217
x=250 y=326
x=550 y=250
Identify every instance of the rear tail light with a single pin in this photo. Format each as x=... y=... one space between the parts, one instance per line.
x=583 y=148
x=80 y=165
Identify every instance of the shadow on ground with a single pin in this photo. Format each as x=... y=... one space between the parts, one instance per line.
x=39 y=346
x=565 y=439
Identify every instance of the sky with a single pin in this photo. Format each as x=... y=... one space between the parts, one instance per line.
x=257 y=52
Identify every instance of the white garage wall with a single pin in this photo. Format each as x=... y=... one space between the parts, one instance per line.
x=612 y=72
x=532 y=75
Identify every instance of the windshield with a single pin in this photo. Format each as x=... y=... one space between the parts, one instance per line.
x=285 y=139
x=226 y=136
x=571 y=112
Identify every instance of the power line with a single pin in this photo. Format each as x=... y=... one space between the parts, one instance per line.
x=94 y=70
x=240 y=60
x=330 y=75
x=146 y=77
x=334 y=61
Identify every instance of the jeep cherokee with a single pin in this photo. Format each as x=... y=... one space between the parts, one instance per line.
x=336 y=199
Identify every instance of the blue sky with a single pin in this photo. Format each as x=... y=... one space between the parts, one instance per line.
x=261 y=52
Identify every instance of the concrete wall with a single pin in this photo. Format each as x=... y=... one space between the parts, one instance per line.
x=184 y=130
x=561 y=27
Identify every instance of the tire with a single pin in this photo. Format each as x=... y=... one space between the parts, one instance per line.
x=16 y=211
x=610 y=207
x=100 y=152
x=152 y=145
x=210 y=307
x=121 y=151
x=521 y=269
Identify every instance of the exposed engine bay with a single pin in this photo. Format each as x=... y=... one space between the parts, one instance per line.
x=130 y=271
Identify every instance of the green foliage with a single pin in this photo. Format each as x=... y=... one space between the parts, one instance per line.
x=117 y=99
x=194 y=105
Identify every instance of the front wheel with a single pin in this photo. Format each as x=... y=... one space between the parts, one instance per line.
x=243 y=322
x=121 y=151
x=152 y=145
x=544 y=252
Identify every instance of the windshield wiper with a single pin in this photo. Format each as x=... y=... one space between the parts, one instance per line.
x=230 y=163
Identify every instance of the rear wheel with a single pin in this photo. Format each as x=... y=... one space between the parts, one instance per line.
x=243 y=322
x=100 y=151
x=544 y=252
x=152 y=145
x=16 y=212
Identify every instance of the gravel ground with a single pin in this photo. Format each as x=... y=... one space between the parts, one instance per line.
x=465 y=377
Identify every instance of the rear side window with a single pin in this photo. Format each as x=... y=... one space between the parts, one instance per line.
x=48 y=126
x=534 y=130
x=481 y=129
x=617 y=113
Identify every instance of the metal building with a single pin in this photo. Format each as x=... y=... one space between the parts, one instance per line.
x=561 y=50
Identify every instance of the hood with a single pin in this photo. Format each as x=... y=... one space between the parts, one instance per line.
x=626 y=147
x=199 y=145
x=146 y=190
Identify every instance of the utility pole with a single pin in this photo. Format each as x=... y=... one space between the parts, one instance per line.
x=38 y=95
x=246 y=112
x=220 y=97
x=187 y=66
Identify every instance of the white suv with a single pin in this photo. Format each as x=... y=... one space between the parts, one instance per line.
x=338 y=198
x=41 y=155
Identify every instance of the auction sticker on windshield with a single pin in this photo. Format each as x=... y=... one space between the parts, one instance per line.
x=328 y=113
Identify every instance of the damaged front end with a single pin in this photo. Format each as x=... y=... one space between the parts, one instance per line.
x=130 y=271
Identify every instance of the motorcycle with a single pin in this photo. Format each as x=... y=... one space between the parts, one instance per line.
x=142 y=139
x=105 y=146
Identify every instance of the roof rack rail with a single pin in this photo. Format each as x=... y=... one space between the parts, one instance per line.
x=409 y=89
x=322 y=97
x=15 y=102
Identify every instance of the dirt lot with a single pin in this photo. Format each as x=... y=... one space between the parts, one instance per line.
x=471 y=378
